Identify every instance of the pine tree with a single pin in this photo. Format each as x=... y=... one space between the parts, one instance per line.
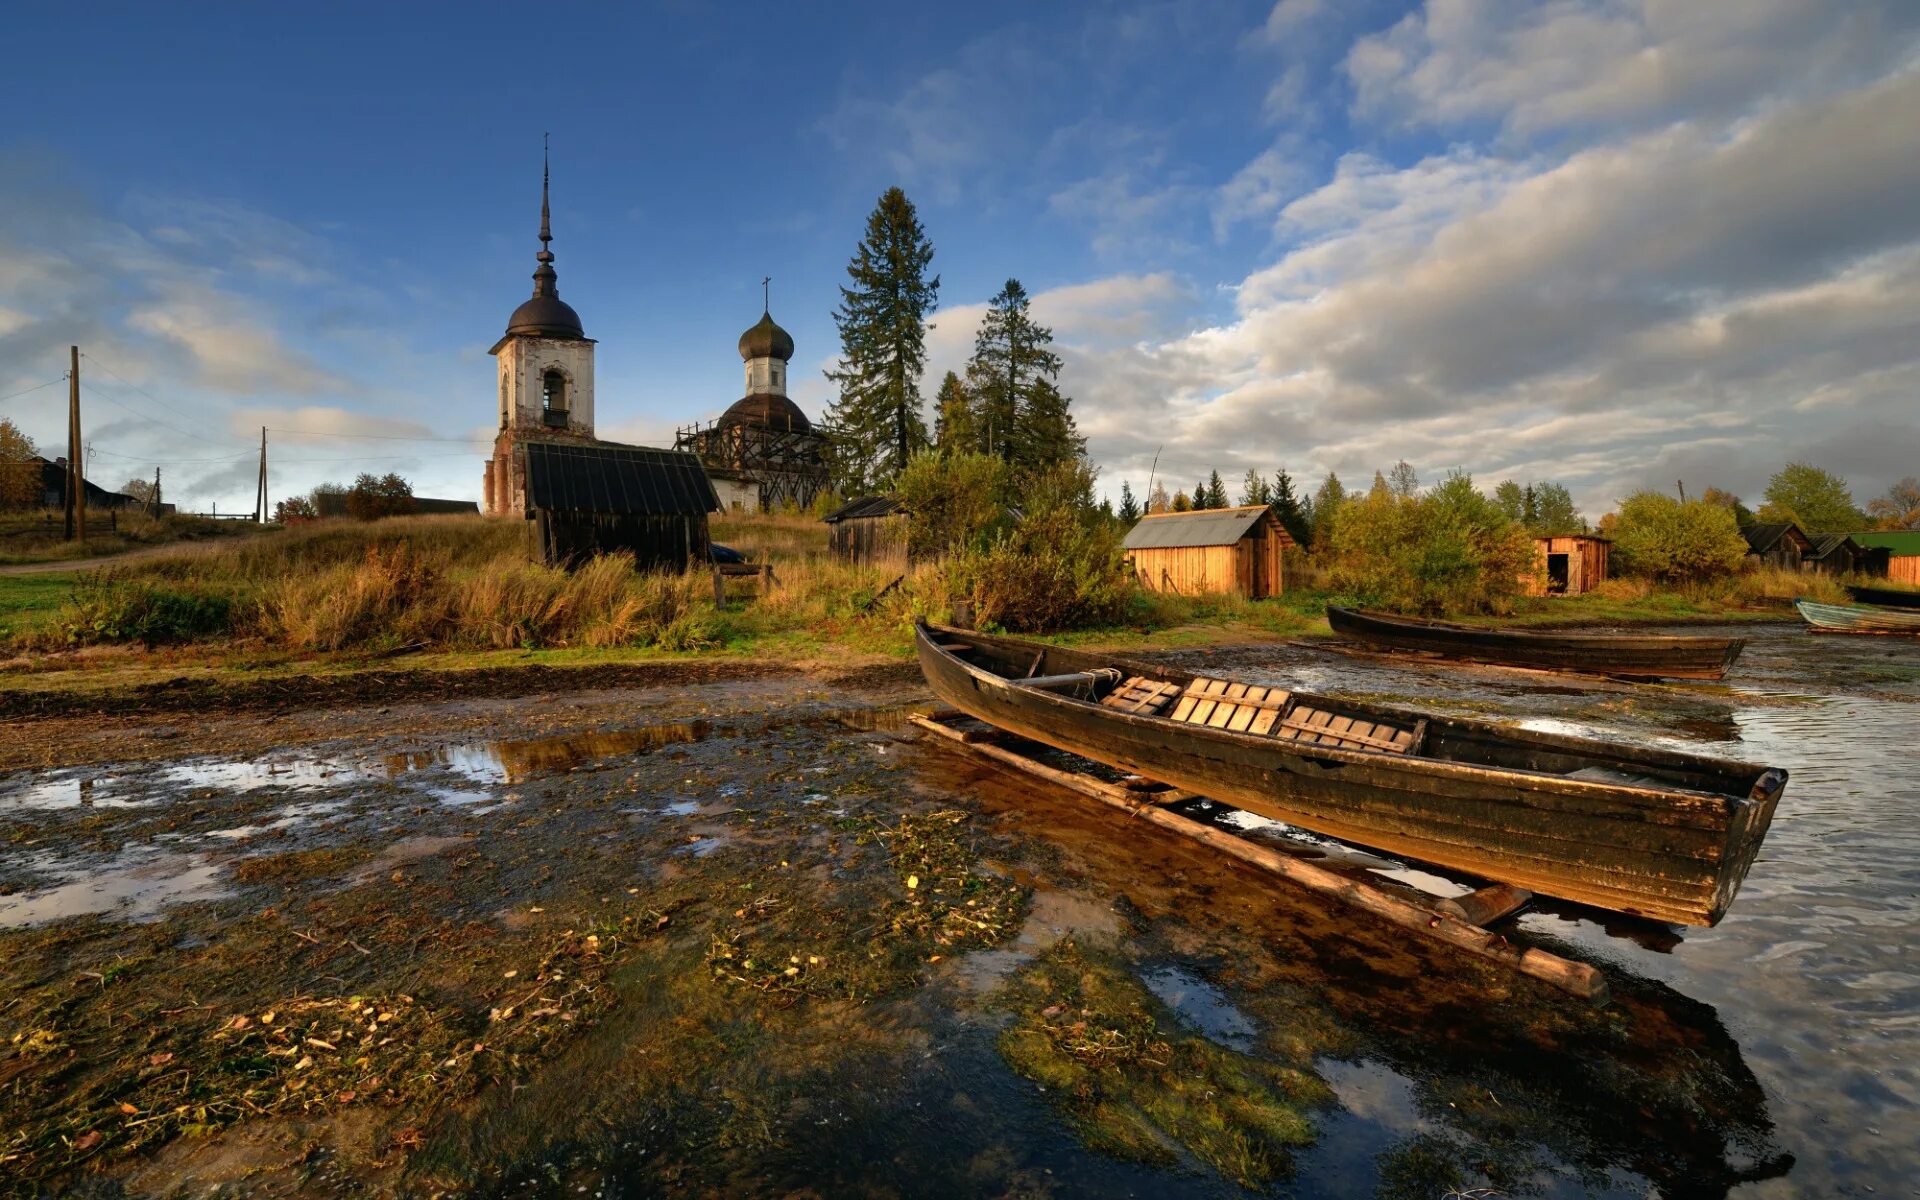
x=1216 y=491
x=1021 y=415
x=1253 y=490
x=1129 y=507
x=1287 y=507
x=883 y=342
x=1202 y=497
x=1326 y=508
x=953 y=427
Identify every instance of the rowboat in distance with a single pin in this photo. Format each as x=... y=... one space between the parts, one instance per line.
x=1885 y=597
x=1653 y=832
x=1629 y=655
x=1856 y=618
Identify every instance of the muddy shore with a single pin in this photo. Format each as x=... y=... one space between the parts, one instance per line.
x=746 y=933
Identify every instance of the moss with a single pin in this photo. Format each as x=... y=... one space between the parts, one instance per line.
x=1133 y=1084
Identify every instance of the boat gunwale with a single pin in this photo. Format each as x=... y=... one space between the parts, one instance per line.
x=1446 y=767
x=1573 y=638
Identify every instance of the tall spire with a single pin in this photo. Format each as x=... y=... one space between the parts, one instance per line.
x=545 y=279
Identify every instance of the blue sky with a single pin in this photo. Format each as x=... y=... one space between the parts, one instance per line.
x=1609 y=243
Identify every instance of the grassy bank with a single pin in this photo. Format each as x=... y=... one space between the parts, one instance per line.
x=439 y=594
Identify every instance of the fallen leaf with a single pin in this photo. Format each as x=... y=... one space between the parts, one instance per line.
x=128 y=1109
x=161 y=1059
x=89 y=1140
x=913 y=881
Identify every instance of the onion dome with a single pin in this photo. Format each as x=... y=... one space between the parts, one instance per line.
x=766 y=340
x=546 y=314
x=764 y=410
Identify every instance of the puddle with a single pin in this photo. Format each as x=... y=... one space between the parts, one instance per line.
x=1201 y=1005
x=137 y=885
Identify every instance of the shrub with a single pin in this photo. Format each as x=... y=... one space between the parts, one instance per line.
x=1061 y=567
x=1665 y=539
x=1451 y=550
x=953 y=501
x=107 y=609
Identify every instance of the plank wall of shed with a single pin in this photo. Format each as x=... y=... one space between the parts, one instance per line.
x=1904 y=568
x=1192 y=570
x=871 y=541
x=1587 y=563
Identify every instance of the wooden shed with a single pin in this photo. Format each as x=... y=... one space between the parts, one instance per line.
x=1777 y=544
x=599 y=498
x=1837 y=554
x=1569 y=565
x=869 y=532
x=1213 y=550
x=1901 y=549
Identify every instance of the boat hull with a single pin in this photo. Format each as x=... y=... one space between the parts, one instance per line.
x=1885 y=597
x=1671 y=856
x=1843 y=618
x=1633 y=656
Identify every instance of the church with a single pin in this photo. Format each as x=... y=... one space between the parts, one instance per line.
x=584 y=496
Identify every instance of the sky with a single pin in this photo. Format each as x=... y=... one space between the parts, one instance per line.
x=1612 y=244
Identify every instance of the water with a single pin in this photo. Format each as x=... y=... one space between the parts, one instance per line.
x=1777 y=1055
x=1815 y=972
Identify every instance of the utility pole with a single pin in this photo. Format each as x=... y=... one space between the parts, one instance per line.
x=260 y=497
x=76 y=478
x=156 y=493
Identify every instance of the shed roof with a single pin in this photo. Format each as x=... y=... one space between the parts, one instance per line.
x=602 y=478
x=1573 y=537
x=866 y=506
x=1901 y=541
x=1208 y=527
x=1827 y=543
x=1763 y=536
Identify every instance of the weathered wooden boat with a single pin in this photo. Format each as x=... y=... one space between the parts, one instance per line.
x=1652 y=832
x=1631 y=655
x=1850 y=618
x=1885 y=597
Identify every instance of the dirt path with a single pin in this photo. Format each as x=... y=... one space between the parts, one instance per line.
x=90 y=564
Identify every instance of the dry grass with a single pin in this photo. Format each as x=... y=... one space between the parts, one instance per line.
x=1773 y=587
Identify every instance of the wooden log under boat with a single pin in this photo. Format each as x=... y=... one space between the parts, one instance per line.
x=1652 y=832
x=1448 y=921
x=1846 y=618
x=1884 y=597
x=1629 y=655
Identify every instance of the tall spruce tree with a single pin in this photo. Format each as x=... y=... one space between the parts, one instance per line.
x=1202 y=496
x=1254 y=490
x=1129 y=507
x=1021 y=415
x=883 y=342
x=1293 y=515
x=953 y=427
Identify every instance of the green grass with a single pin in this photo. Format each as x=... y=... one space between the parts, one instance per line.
x=37 y=536
x=27 y=602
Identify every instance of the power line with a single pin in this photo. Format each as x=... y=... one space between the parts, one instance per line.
x=36 y=387
x=144 y=392
x=95 y=389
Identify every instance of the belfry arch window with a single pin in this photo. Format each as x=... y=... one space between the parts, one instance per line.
x=553 y=398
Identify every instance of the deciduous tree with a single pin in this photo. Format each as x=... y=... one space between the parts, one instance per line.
x=1816 y=500
x=953 y=427
x=1900 y=507
x=19 y=472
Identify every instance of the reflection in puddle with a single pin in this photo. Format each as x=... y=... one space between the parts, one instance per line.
x=136 y=886
x=1201 y=1005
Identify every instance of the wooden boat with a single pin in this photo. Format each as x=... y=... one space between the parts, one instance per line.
x=1852 y=618
x=1632 y=655
x=1656 y=833
x=1885 y=597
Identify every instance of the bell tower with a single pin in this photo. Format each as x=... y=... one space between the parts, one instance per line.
x=545 y=369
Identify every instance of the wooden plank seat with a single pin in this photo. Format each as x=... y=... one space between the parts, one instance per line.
x=1271 y=712
x=1138 y=694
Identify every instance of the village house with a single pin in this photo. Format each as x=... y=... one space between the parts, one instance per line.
x=869 y=532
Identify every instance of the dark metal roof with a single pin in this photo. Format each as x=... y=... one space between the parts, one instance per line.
x=600 y=478
x=1763 y=536
x=765 y=340
x=546 y=316
x=866 y=506
x=765 y=410
x=1208 y=527
x=1827 y=543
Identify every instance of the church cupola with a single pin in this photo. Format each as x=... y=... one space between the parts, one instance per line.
x=546 y=314
x=766 y=348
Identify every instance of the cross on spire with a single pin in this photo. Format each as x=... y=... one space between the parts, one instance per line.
x=766 y=291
